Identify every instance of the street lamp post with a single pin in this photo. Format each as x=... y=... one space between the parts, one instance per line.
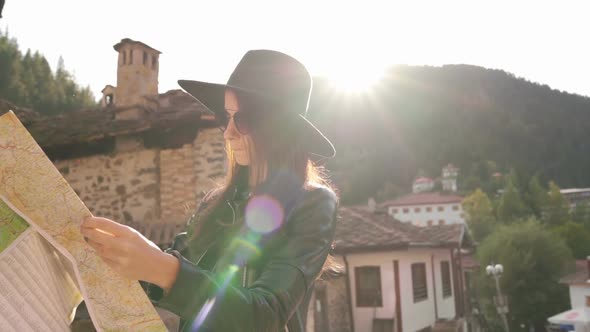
x=500 y=301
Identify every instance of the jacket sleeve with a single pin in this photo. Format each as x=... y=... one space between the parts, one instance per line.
x=285 y=278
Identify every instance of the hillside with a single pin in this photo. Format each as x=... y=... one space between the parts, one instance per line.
x=421 y=118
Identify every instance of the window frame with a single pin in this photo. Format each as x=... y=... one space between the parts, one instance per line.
x=368 y=300
x=419 y=268
x=445 y=277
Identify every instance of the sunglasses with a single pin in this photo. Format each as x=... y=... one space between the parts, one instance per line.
x=242 y=121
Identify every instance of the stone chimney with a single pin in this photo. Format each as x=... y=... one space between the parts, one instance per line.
x=137 y=72
x=108 y=96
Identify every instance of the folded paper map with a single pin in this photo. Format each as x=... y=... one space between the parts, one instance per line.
x=46 y=268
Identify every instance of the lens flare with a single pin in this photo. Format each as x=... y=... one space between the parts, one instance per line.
x=203 y=313
x=264 y=214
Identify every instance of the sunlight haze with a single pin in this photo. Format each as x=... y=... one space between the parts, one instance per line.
x=544 y=42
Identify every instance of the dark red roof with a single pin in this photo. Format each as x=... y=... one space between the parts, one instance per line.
x=360 y=229
x=422 y=199
x=580 y=276
x=167 y=111
x=423 y=180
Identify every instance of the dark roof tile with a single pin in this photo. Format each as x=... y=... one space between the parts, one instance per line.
x=359 y=229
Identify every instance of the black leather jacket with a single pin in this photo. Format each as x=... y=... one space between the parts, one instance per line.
x=251 y=281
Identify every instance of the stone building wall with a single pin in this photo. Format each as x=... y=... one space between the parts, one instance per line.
x=148 y=186
x=121 y=186
x=337 y=298
x=209 y=160
x=177 y=183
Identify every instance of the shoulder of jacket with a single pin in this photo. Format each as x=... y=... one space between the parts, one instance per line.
x=319 y=191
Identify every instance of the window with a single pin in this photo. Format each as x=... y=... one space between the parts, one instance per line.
x=445 y=273
x=368 y=286
x=455 y=207
x=441 y=222
x=429 y=223
x=394 y=211
x=588 y=301
x=144 y=58
x=131 y=57
x=419 y=286
x=154 y=61
x=441 y=208
x=428 y=209
x=109 y=99
x=406 y=210
x=417 y=209
x=124 y=57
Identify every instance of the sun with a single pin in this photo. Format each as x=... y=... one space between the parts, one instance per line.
x=355 y=77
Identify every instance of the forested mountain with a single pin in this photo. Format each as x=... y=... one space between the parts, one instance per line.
x=28 y=81
x=419 y=119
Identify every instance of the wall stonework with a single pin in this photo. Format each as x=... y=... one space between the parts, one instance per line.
x=177 y=184
x=122 y=186
x=143 y=187
x=338 y=312
x=209 y=160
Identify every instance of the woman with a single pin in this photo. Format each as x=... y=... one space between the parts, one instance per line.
x=254 y=248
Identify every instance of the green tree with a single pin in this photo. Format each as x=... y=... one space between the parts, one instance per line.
x=510 y=205
x=576 y=237
x=27 y=81
x=536 y=197
x=534 y=260
x=556 y=212
x=389 y=191
x=480 y=214
x=581 y=214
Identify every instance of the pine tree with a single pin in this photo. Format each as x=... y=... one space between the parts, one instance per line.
x=27 y=81
x=556 y=212
x=510 y=205
x=536 y=197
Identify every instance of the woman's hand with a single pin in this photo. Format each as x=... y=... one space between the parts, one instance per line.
x=130 y=253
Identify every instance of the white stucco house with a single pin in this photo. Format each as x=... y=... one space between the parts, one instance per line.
x=399 y=277
x=426 y=209
x=422 y=184
x=578 y=317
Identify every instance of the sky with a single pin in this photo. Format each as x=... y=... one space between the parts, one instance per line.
x=347 y=41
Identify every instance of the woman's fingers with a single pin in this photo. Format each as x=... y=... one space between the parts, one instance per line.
x=105 y=225
x=100 y=237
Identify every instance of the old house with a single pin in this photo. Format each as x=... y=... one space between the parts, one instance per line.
x=397 y=276
x=427 y=209
x=143 y=158
x=578 y=317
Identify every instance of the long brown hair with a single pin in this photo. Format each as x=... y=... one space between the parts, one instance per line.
x=273 y=145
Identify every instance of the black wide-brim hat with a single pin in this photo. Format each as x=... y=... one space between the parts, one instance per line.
x=275 y=77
